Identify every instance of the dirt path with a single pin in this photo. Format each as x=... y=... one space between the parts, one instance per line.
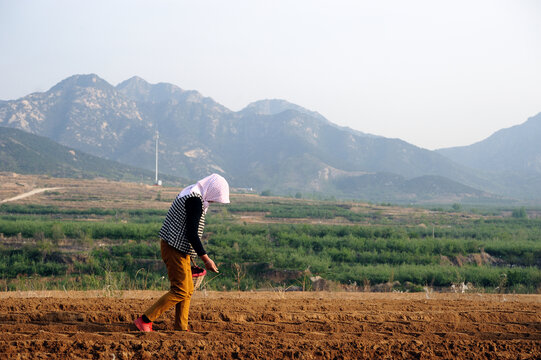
x=29 y=193
x=267 y=325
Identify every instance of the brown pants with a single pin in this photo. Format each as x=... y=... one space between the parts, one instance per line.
x=180 y=275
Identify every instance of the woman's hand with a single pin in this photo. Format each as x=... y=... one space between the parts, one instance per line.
x=209 y=264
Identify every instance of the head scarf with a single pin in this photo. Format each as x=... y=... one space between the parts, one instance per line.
x=213 y=188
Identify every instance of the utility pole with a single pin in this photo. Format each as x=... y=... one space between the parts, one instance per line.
x=157 y=139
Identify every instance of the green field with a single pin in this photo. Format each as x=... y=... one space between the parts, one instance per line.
x=52 y=247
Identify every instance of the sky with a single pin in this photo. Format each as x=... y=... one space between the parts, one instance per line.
x=433 y=73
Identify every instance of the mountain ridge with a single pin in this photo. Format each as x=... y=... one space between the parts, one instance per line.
x=511 y=155
x=270 y=144
x=511 y=149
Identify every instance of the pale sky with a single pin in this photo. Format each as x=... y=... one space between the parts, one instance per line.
x=433 y=73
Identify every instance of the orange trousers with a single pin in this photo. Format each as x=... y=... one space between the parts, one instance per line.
x=179 y=271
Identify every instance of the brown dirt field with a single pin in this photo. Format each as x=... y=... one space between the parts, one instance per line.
x=273 y=325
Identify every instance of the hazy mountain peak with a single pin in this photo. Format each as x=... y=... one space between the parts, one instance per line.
x=515 y=150
x=135 y=88
x=138 y=89
x=276 y=106
x=134 y=80
x=81 y=80
x=162 y=93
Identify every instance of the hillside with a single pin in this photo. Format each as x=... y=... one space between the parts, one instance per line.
x=512 y=155
x=515 y=149
x=271 y=144
x=26 y=153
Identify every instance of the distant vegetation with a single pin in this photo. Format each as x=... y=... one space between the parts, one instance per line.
x=118 y=249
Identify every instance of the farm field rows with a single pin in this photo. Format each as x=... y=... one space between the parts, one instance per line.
x=254 y=325
x=96 y=234
x=82 y=262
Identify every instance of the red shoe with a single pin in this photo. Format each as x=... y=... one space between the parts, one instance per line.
x=143 y=326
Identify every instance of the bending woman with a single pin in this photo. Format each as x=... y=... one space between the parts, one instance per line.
x=181 y=238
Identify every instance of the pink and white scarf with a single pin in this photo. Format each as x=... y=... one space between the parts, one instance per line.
x=213 y=188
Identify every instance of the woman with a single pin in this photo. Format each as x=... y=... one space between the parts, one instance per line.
x=181 y=238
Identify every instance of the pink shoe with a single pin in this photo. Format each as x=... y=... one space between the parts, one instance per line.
x=143 y=326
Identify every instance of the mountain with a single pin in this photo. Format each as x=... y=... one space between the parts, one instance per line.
x=265 y=144
x=26 y=153
x=270 y=144
x=515 y=149
x=511 y=155
x=84 y=112
x=276 y=106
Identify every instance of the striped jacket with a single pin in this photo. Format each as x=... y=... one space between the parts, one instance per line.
x=173 y=230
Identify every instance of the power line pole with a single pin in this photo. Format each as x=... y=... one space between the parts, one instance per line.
x=157 y=139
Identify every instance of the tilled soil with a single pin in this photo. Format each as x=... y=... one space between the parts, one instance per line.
x=273 y=325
